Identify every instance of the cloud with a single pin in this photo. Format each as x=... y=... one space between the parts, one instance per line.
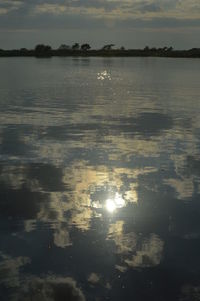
x=147 y=250
x=184 y=187
x=190 y=292
x=125 y=243
x=117 y=9
x=32 y=195
x=61 y=237
x=50 y=289
x=149 y=255
x=121 y=268
x=34 y=288
x=7 y=6
x=187 y=172
x=10 y=269
x=93 y=278
x=148 y=10
x=47 y=8
x=78 y=6
x=153 y=7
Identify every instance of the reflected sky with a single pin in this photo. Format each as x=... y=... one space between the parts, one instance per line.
x=99 y=179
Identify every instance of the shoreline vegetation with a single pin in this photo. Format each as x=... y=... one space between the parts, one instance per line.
x=84 y=50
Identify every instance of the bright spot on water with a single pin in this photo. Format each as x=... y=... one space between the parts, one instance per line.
x=110 y=205
x=103 y=75
x=115 y=203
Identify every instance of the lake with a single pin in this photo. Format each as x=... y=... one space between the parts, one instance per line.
x=99 y=179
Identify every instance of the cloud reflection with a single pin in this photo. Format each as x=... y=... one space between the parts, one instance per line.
x=149 y=255
x=100 y=179
x=10 y=269
x=50 y=289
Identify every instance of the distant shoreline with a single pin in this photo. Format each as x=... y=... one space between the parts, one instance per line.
x=192 y=53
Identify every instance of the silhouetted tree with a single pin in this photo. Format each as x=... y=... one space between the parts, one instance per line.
x=42 y=48
x=146 y=48
x=85 y=47
x=23 y=49
x=76 y=46
x=122 y=48
x=64 y=47
x=165 y=48
x=108 y=47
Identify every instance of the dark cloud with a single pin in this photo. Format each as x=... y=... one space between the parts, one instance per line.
x=25 y=189
x=20 y=203
x=12 y=141
x=145 y=124
x=151 y=123
x=49 y=176
x=192 y=166
x=190 y=292
x=10 y=270
x=50 y=289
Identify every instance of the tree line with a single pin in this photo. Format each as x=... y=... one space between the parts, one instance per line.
x=86 y=46
x=75 y=46
x=45 y=49
x=42 y=50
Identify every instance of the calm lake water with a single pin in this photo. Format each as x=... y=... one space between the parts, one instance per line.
x=99 y=179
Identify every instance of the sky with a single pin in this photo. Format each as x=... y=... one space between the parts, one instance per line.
x=129 y=23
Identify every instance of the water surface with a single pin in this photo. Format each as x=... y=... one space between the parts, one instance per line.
x=99 y=179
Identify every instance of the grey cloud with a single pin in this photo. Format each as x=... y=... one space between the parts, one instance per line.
x=107 y=5
x=158 y=22
x=153 y=7
x=97 y=21
x=144 y=7
x=99 y=4
x=20 y=20
x=24 y=17
x=8 y=6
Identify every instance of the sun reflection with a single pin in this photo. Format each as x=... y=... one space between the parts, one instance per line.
x=115 y=203
x=110 y=205
x=103 y=75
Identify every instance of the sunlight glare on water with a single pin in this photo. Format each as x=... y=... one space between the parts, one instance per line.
x=115 y=203
x=103 y=75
